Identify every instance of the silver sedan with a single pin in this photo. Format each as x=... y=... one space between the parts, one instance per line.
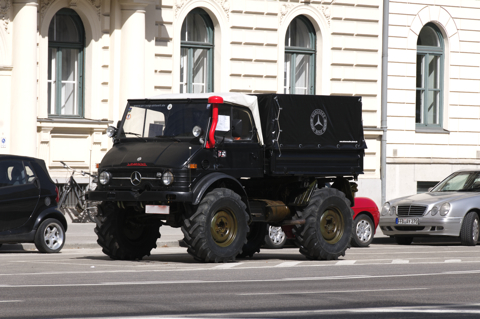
x=451 y=208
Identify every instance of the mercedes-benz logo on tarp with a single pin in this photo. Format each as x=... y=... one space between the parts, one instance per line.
x=136 y=178
x=318 y=122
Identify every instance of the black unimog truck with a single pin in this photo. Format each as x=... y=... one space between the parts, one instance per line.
x=222 y=166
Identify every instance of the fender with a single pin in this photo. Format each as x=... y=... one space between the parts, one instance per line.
x=204 y=184
x=52 y=212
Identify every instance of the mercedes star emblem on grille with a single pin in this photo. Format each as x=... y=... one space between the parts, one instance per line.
x=136 y=178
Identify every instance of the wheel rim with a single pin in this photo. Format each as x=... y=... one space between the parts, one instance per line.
x=364 y=230
x=332 y=225
x=224 y=228
x=475 y=230
x=53 y=236
x=276 y=234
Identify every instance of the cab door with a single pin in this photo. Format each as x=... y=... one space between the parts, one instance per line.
x=19 y=194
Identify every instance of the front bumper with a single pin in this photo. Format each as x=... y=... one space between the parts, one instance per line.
x=135 y=196
x=427 y=226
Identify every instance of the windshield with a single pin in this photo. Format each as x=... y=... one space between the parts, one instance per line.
x=460 y=182
x=164 y=119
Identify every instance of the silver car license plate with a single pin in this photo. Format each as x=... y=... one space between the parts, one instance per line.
x=406 y=221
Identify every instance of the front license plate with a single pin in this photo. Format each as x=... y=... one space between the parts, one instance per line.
x=157 y=209
x=406 y=221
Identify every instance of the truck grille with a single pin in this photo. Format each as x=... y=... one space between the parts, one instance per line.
x=411 y=210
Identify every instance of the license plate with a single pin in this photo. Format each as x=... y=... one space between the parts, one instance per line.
x=406 y=221
x=157 y=209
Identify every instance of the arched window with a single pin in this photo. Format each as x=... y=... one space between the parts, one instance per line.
x=430 y=57
x=300 y=49
x=66 y=44
x=196 y=53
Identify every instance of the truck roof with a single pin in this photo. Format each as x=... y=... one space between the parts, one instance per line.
x=239 y=99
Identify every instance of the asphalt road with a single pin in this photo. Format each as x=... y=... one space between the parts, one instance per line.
x=383 y=281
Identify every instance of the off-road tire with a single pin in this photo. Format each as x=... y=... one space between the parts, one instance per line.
x=217 y=228
x=327 y=230
x=255 y=240
x=403 y=240
x=362 y=231
x=470 y=229
x=120 y=237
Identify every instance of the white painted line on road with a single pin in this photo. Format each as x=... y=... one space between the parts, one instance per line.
x=6 y=301
x=453 y=261
x=227 y=266
x=345 y=262
x=288 y=264
x=329 y=291
x=400 y=261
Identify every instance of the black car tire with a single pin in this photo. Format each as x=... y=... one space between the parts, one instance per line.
x=470 y=229
x=275 y=238
x=403 y=240
x=120 y=234
x=50 y=236
x=255 y=240
x=327 y=230
x=217 y=229
x=362 y=231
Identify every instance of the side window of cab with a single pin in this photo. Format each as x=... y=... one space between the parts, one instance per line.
x=13 y=173
x=234 y=124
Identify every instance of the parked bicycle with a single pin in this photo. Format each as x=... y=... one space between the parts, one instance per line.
x=82 y=209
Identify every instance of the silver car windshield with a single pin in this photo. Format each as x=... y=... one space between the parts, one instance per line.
x=157 y=120
x=460 y=182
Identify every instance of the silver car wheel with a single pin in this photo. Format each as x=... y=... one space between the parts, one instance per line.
x=276 y=234
x=364 y=230
x=53 y=236
x=475 y=230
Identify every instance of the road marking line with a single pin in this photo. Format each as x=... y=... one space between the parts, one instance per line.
x=227 y=266
x=345 y=262
x=5 y=301
x=400 y=261
x=329 y=291
x=453 y=261
x=288 y=264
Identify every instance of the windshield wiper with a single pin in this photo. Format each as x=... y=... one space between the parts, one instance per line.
x=170 y=137
x=136 y=134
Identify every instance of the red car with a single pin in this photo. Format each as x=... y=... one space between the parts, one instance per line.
x=365 y=221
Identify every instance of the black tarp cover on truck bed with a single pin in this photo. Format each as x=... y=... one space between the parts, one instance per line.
x=312 y=121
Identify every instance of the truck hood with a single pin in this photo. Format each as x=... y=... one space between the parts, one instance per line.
x=169 y=154
x=432 y=198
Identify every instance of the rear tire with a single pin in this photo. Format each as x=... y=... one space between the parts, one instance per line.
x=121 y=237
x=362 y=232
x=327 y=230
x=403 y=240
x=470 y=229
x=217 y=230
x=50 y=236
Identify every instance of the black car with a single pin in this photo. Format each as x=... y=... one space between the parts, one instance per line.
x=28 y=205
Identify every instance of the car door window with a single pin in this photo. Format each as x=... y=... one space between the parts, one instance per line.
x=30 y=175
x=12 y=173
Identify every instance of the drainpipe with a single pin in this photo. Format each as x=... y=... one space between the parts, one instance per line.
x=383 y=147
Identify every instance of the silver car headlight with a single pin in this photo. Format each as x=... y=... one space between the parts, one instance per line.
x=434 y=210
x=445 y=209
x=104 y=177
x=393 y=211
x=385 y=209
x=167 y=178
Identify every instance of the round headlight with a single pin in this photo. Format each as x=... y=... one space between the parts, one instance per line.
x=104 y=177
x=197 y=130
x=385 y=209
x=111 y=131
x=393 y=210
x=167 y=178
x=434 y=210
x=445 y=209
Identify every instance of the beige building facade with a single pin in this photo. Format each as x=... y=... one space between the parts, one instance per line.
x=433 y=93
x=67 y=67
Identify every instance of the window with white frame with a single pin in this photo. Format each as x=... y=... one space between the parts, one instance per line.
x=196 y=53
x=300 y=50
x=66 y=44
x=429 y=92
